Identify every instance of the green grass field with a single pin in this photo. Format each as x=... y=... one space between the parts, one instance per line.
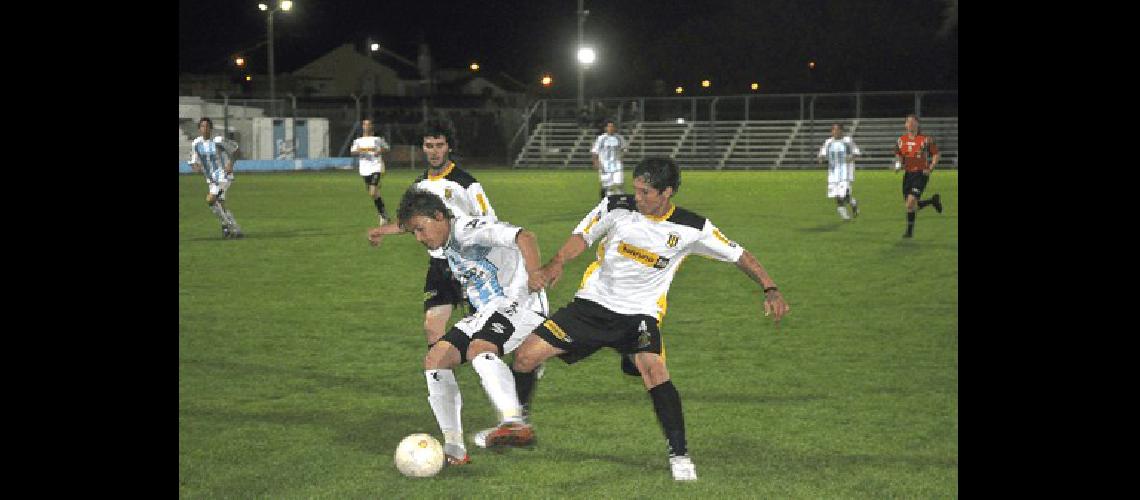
x=300 y=348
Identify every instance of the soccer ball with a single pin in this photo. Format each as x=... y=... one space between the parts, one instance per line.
x=419 y=455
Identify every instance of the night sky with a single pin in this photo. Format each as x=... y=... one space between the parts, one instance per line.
x=857 y=45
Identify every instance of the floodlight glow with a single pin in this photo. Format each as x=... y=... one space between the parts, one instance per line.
x=680 y=120
x=755 y=86
x=286 y=5
x=706 y=84
x=375 y=47
x=248 y=78
x=679 y=90
x=547 y=81
x=586 y=55
x=811 y=65
x=240 y=61
x=262 y=6
x=475 y=66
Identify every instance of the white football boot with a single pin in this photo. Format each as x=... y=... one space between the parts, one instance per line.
x=683 y=468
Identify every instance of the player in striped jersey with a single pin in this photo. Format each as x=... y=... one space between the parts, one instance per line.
x=911 y=151
x=498 y=265
x=215 y=158
x=463 y=196
x=607 y=154
x=623 y=295
x=840 y=152
x=370 y=148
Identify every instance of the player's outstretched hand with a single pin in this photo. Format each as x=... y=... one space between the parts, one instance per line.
x=375 y=236
x=551 y=272
x=774 y=305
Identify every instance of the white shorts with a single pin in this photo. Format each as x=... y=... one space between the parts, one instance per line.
x=218 y=189
x=369 y=168
x=838 y=189
x=501 y=317
x=610 y=178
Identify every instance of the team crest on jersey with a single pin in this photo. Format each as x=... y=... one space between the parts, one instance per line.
x=447 y=193
x=673 y=239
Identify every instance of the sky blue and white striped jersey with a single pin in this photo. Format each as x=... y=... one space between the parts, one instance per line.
x=485 y=258
x=607 y=147
x=213 y=155
x=838 y=153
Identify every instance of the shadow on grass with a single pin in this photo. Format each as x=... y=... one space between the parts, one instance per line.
x=823 y=228
x=260 y=235
x=794 y=459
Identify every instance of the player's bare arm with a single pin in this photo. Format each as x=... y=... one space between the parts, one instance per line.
x=597 y=164
x=774 y=303
x=528 y=246
x=573 y=247
x=933 y=163
x=377 y=234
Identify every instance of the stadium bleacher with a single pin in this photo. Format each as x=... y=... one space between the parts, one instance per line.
x=767 y=144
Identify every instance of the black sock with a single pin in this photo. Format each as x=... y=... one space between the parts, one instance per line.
x=379 y=202
x=667 y=405
x=602 y=192
x=524 y=387
x=923 y=203
x=910 y=222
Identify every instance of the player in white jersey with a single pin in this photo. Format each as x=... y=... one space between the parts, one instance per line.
x=841 y=152
x=370 y=149
x=623 y=296
x=215 y=157
x=498 y=265
x=607 y=154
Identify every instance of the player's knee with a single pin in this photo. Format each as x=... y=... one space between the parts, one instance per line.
x=436 y=357
x=653 y=370
x=526 y=360
x=480 y=347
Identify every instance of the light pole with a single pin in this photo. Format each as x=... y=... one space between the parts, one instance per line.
x=583 y=54
x=283 y=5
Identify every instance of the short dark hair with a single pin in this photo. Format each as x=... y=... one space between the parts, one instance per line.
x=207 y=120
x=912 y=115
x=660 y=172
x=420 y=202
x=437 y=129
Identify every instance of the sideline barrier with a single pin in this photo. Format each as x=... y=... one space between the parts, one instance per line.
x=279 y=165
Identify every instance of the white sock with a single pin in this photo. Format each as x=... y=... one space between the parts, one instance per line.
x=842 y=211
x=499 y=384
x=230 y=217
x=218 y=211
x=446 y=402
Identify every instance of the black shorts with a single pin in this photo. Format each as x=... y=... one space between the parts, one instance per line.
x=583 y=327
x=494 y=328
x=371 y=179
x=914 y=183
x=440 y=287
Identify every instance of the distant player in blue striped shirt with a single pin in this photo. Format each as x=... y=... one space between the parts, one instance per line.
x=215 y=158
x=841 y=152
